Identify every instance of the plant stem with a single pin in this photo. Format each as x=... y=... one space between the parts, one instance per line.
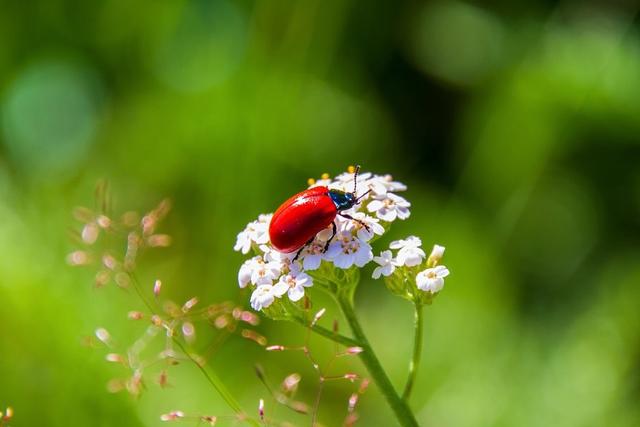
x=417 y=353
x=211 y=376
x=400 y=408
x=334 y=336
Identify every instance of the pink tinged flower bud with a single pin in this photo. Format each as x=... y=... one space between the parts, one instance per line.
x=188 y=330
x=115 y=385
x=103 y=221
x=250 y=318
x=114 y=358
x=189 y=304
x=159 y=240
x=109 y=261
x=172 y=416
x=354 y=350
x=353 y=401
x=102 y=278
x=90 y=233
x=318 y=315
x=363 y=385
x=261 y=409
x=78 y=258
x=299 y=407
x=275 y=348
x=221 y=321
x=157 y=286
x=103 y=335
x=290 y=383
x=351 y=377
x=135 y=315
x=122 y=279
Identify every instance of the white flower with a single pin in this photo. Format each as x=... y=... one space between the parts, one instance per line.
x=432 y=279
x=264 y=273
x=256 y=231
x=362 y=232
x=293 y=284
x=410 y=253
x=436 y=255
x=246 y=271
x=262 y=297
x=347 y=250
x=385 y=264
x=390 y=208
x=344 y=182
x=312 y=255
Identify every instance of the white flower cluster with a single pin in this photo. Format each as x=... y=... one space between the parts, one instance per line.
x=272 y=274
x=410 y=254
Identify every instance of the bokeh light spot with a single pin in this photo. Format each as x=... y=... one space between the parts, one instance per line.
x=49 y=116
x=456 y=42
x=205 y=47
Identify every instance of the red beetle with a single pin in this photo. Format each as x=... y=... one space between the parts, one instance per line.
x=302 y=216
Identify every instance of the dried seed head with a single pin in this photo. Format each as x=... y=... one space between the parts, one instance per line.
x=163 y=379
x=254 y=336
x=156 y=320
x=209 y=419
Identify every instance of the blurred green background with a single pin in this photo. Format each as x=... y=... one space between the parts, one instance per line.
x=516 y=126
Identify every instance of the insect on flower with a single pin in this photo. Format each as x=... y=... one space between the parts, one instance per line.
x=298 y=220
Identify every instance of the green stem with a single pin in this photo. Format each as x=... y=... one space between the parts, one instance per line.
x=417 y=353
x=334 y=336
x=211 y=376
x=400 y=408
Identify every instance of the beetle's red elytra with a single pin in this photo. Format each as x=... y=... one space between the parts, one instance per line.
x=297 y=221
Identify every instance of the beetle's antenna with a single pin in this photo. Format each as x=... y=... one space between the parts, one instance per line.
x=355 y=179
x=358 y=199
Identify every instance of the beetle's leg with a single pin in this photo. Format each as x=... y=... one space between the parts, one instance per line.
x=333 y=234
x=353 y=219
x=302 y=248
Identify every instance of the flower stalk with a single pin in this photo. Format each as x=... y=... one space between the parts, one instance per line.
x=414 y=364
x=368 y=357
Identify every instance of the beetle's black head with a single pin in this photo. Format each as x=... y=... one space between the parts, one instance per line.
x=342 y=200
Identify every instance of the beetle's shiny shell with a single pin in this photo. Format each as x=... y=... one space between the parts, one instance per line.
x=300 y=218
